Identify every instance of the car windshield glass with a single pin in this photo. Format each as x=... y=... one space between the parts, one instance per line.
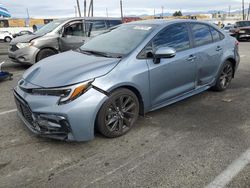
x=243 y=24
x=122 y=40
x=49 y=27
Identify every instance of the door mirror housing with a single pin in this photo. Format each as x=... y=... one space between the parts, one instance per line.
x=163 y=52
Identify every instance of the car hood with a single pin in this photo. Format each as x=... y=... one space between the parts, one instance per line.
x=68 y=68
x=24 y=38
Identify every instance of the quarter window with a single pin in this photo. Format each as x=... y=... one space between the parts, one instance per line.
x=202 y=34
x=175 y=36
x=215 y=34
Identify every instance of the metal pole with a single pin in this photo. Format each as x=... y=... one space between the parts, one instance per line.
x=162 y=10
x=79 y=9
x=229 y=11
x=121 y=9
x=75 y=11
x=243 y=9
x=92 y=8
x=85 y=8
x=248 y=12
x=107 y=13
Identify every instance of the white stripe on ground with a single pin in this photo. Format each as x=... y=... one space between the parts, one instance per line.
x=7 y=112
x=242 y=56
x=231 y=171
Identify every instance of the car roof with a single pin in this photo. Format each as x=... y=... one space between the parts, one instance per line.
x=167 y=22
x=88 y=18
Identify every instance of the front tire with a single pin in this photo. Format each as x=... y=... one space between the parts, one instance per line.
x=7 y=39
x=45 y=53
x=225 y=77
x=118 y=114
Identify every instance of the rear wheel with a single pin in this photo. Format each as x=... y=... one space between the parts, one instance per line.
x=225 y=77
x=45 y=53
x=7 y=39
x=118 y=114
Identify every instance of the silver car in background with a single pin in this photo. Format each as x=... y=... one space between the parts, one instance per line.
x=134 y=69
x=58 y=36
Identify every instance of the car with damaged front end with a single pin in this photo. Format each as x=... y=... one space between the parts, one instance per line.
x=136 y=68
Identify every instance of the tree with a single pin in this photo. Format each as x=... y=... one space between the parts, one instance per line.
x=177 y=13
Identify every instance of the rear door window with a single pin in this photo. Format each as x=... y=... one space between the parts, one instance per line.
x=215 y=34
x=201 y=34
x=175 y=36
x=112 y=23
x=98 y=25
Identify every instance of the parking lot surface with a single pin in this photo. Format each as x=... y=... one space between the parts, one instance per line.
x=188 y=144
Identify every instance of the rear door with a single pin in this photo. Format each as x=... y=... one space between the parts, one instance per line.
x=73 y=36
x=208 y=51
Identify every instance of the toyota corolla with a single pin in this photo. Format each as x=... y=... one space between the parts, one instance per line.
x=137 y=68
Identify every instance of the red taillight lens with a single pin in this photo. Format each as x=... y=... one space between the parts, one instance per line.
x=237 y=43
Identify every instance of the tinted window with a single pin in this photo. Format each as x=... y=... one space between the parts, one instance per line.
x=98 y=25
x=202 y=34
x=74 y=30
x=215 y=34
x=112 y=23
x=175 y=36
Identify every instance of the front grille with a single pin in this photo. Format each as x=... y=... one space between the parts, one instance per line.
x=13 y=48
x=24 y=110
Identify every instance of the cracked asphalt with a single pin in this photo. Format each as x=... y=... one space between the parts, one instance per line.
x=187 y=144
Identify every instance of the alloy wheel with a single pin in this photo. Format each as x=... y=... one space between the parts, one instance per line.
x=121 y=114
x=226 y=76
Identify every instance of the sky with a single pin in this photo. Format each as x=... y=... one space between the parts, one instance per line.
x=66 y=8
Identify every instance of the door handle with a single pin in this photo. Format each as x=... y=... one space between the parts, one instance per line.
x=218 y=48
x=191 y=58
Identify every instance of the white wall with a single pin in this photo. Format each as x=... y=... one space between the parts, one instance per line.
x=14 y=30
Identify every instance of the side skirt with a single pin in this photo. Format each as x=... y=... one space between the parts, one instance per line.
x=181 y=97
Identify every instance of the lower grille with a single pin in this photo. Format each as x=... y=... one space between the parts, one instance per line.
x=24 y=110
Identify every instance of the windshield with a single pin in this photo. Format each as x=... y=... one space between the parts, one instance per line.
x=49 y=27
x=122 y=40
x=243 y=24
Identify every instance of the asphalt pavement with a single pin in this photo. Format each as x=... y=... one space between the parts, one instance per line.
x=197 y=142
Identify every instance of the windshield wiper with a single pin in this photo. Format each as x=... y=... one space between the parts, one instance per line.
x=102 y=54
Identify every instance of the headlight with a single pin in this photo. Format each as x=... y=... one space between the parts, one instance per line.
x=23 y=45
x=66 y=94
x=242 y=31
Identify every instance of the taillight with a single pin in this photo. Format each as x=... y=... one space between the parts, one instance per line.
x=237 y=43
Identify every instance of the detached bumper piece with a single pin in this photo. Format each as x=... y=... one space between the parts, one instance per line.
x=48 y=125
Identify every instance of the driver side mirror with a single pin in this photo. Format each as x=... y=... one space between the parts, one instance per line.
x=163 y=52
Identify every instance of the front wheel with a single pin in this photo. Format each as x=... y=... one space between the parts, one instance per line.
x=225 y=77
x=45 y=53
x=7 y=39
x=118 y=114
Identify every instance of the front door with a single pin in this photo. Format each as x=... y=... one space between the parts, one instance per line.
x=73 y=36
x=172 y=76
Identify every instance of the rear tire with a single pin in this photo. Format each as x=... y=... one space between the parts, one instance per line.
x=45 y=53
x=225 y=77
x=7 y=39
x=118 y=114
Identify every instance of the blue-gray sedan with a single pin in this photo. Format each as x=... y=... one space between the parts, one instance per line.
x=136 y=68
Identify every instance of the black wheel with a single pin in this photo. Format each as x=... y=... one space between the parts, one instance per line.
x=225 y=77
x=7 y=39
x=118 y=114
x=45 y=53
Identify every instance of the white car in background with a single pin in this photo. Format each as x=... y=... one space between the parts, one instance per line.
x=6 y=36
